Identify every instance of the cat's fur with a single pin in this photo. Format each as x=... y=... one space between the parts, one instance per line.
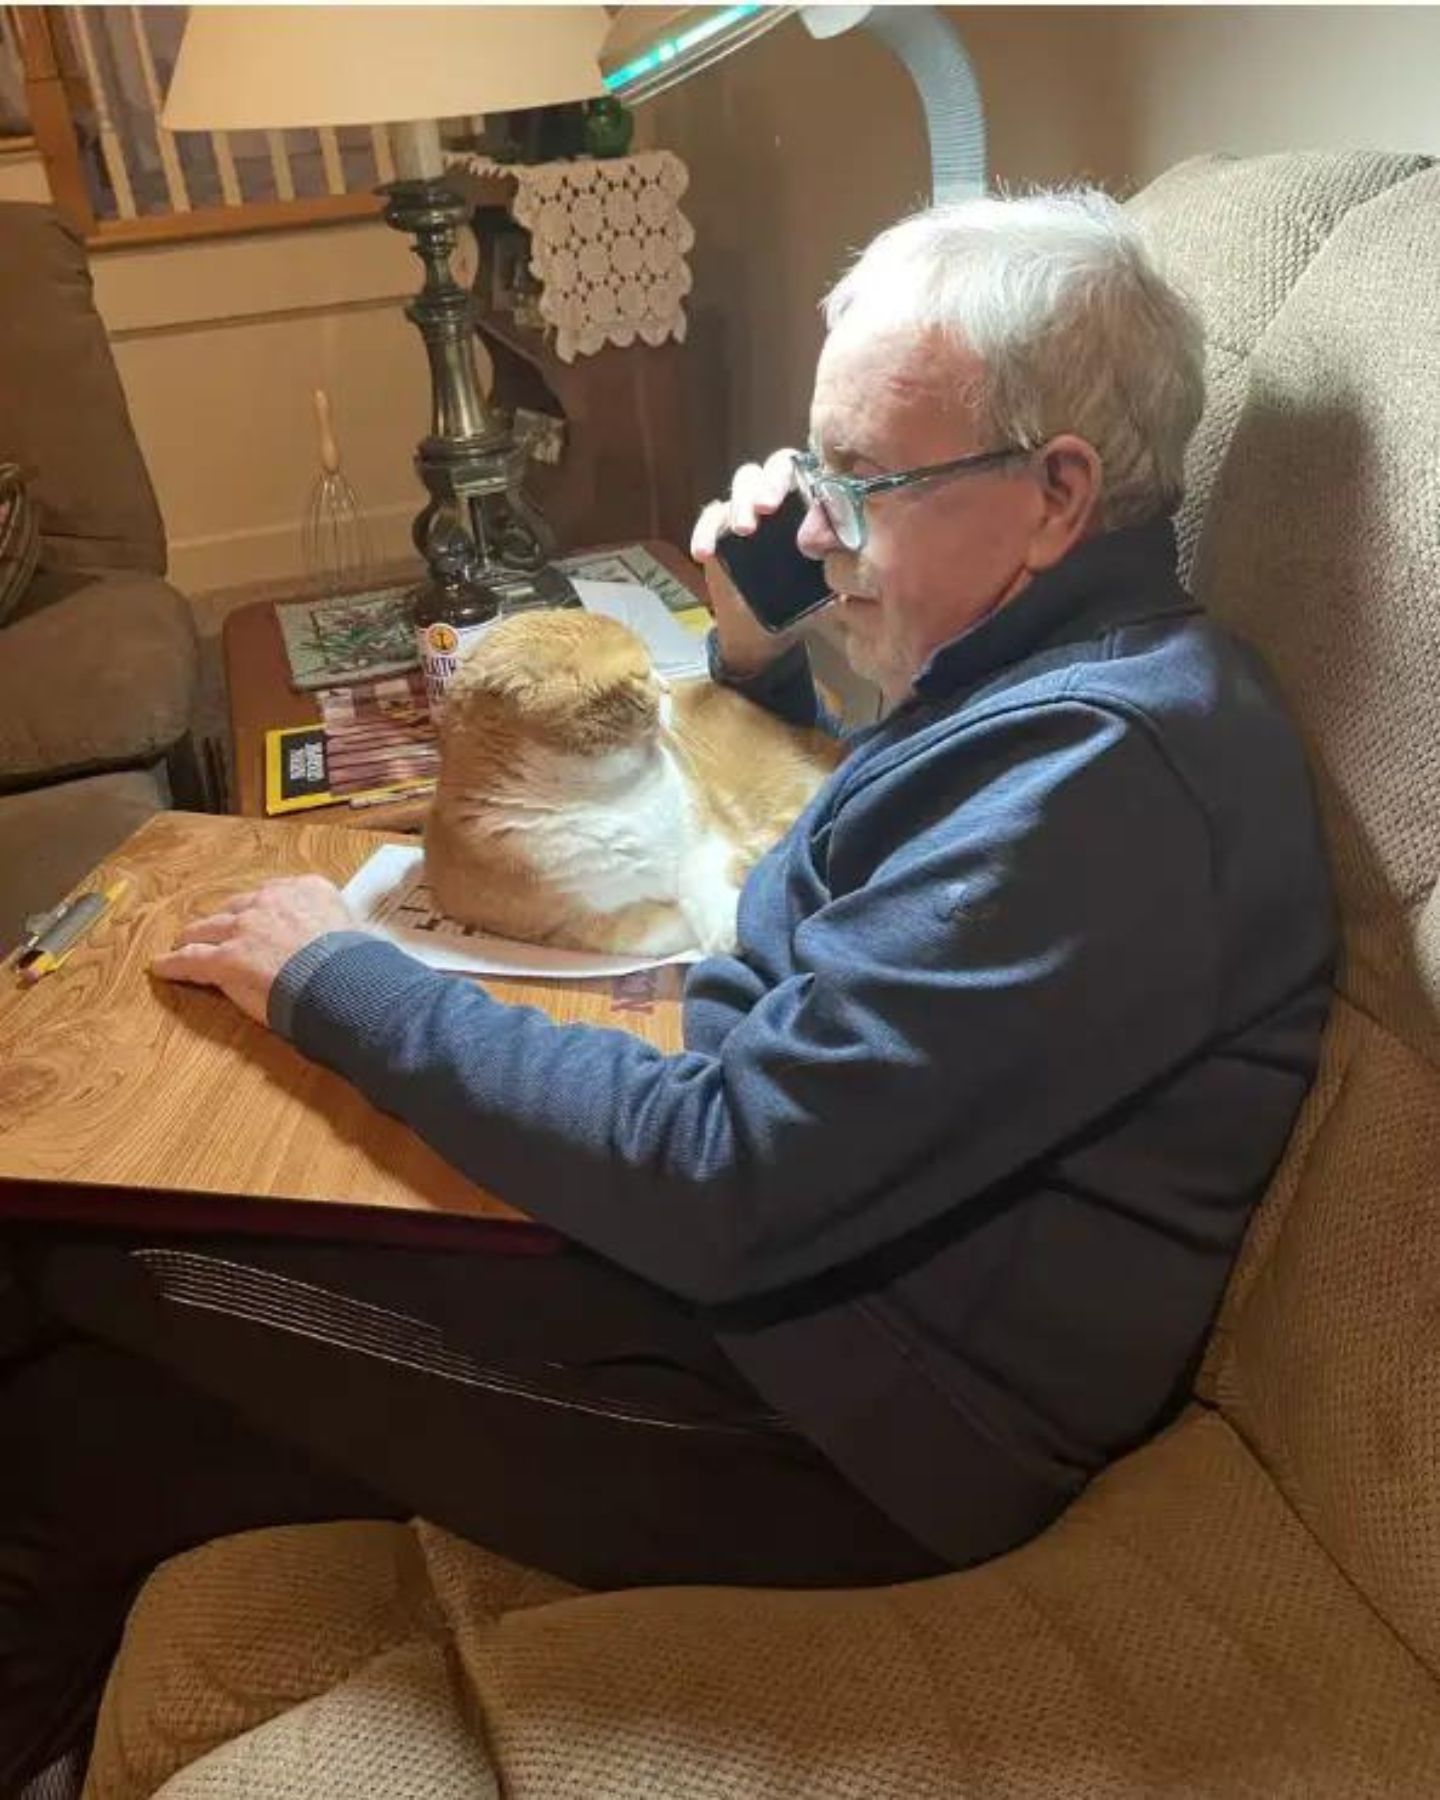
x=582 y=802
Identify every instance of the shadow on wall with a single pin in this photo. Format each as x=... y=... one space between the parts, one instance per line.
x=1332 y=608
x=800 y=151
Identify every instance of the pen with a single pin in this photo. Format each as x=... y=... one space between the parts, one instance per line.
x=410 y=790
x=35 y=928
x=64 y=930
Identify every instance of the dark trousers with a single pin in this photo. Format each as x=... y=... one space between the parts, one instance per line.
x=558 y=1411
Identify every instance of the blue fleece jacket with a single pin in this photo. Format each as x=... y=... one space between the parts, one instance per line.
x=965 y=1136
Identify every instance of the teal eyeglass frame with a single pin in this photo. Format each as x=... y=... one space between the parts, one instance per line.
x=814 y=482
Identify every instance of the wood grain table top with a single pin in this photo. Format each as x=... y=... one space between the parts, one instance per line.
x=117 y=1088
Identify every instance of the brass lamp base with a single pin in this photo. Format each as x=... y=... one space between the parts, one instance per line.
x=469 y=463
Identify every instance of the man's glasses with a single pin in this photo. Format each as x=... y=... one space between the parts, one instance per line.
x=842 y=497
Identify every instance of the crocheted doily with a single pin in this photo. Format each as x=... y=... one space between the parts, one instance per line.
x=608 y=243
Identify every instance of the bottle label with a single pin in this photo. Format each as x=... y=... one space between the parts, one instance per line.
x=440 y=647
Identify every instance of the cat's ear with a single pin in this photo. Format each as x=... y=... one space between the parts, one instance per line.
x=615 y=714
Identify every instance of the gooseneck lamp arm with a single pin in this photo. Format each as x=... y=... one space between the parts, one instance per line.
x=650 y=49
x=935 y=59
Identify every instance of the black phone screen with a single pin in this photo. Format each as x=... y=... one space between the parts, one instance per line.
x=780 y=584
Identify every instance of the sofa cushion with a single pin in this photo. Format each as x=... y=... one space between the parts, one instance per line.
x=236 y=1634
x=103 y=677
x=368 y=1584
x=1179 y=1631
x=52 y=837
x=398 y=1729
x=1235 y=236
x=65 y=414
x=1321 y=544
x=19 y=538
x=1326 y=1353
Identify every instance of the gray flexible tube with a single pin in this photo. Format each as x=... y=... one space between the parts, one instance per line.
x=933 y=54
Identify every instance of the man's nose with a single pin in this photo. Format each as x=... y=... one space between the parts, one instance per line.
x=816 y=536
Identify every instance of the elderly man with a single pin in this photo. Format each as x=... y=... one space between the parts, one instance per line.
x=929 y=1220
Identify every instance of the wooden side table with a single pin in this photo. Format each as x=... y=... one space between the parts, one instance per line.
x=261 y=699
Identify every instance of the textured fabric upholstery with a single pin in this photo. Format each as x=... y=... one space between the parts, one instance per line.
x=366 y=1580
x=1250 y=1606
x=1326 y=1359
x=399 y=1727
x=105 y=677
x=1236 y=236
x=1179 y=1631
x=224 y=1640
x=98 y=660
x=53 y=837
x=65 y=416
x=1322 y=544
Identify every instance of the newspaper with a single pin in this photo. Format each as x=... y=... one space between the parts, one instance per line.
x=389 y=897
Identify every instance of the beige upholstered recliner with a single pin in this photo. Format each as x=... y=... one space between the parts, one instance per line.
x=1249 y=1605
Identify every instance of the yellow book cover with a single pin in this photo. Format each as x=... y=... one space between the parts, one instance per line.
x=297 y=774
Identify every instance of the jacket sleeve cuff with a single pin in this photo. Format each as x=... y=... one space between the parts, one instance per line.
x=784 y=687
x=291 y=982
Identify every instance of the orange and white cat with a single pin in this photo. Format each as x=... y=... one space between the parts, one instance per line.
x=583 y=801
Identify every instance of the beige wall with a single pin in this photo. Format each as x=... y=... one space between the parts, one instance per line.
x=1258 y=78
x=220 y=346
x=798 y=152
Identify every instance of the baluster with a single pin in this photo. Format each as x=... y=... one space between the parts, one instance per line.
x=280 y=165
x=111 y=148
x=384 y=160
x=225 y=163
x=175 y=184
x=330 y=156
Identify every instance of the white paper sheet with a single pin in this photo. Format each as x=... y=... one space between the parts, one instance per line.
x=676 y=651
x=390 y=898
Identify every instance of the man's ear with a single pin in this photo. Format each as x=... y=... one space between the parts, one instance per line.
x=1069 y=475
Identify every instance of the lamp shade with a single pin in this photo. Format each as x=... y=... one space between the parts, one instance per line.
x=244 y=68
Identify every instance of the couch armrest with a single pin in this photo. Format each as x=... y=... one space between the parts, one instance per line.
x=104 y=678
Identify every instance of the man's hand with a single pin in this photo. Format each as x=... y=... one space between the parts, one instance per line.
x=244 y=946
x=756 y=489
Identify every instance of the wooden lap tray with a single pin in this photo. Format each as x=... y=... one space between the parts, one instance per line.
x=130 y=1100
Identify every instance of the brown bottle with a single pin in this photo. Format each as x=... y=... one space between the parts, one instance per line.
x=452 y=610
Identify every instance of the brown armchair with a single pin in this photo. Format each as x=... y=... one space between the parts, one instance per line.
x=98 y=662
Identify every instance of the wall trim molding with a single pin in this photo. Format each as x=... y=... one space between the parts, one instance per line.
x=217 y=281
x=203 y=563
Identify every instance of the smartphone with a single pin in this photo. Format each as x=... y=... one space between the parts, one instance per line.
x=777 y=581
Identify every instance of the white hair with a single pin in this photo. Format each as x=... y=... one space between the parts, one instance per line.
x=1074 y=327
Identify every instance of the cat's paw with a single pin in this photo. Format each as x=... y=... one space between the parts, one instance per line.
x=711 y=917
x=648 y=928
x=720 y=939
x=709 y=895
